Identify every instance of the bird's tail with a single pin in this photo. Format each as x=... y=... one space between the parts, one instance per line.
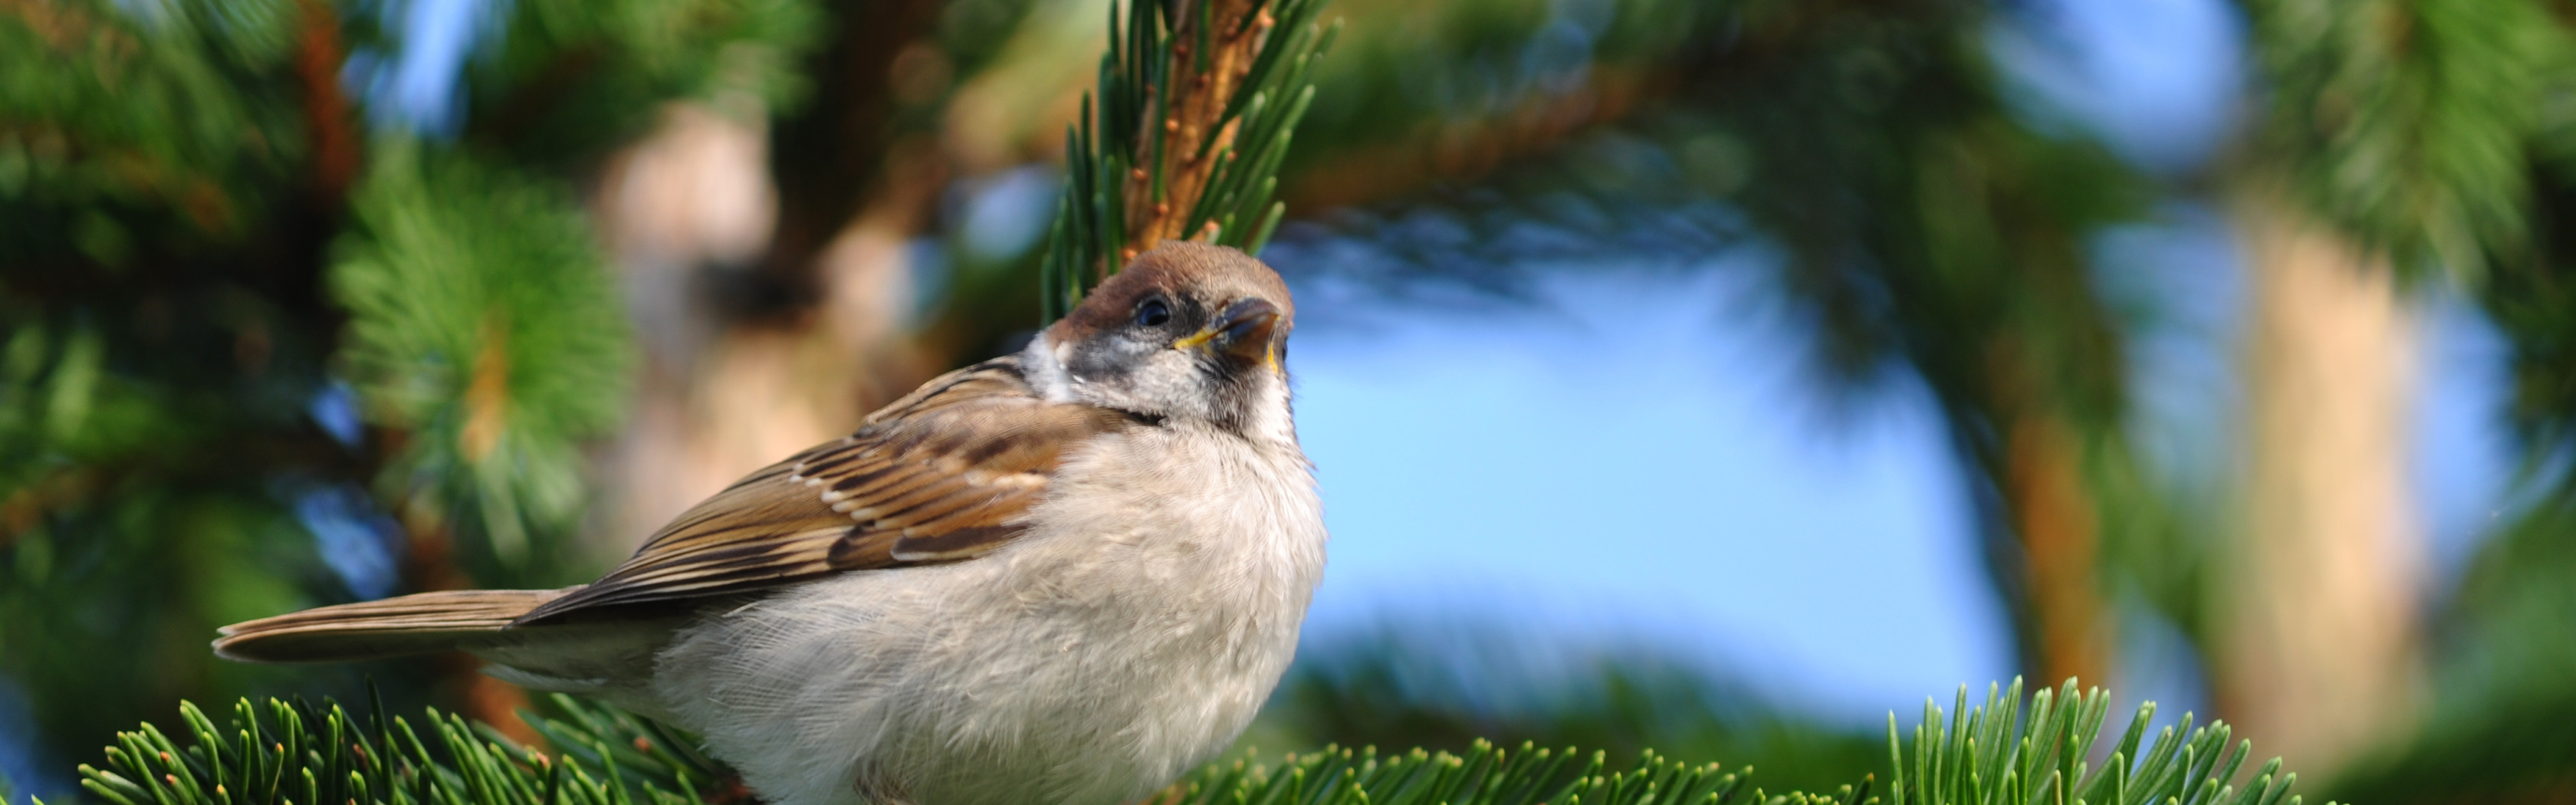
x=413 y=624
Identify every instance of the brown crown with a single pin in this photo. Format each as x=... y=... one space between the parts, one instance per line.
x=1215 y=275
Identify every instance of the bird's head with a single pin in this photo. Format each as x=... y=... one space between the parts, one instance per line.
x=1187 y=332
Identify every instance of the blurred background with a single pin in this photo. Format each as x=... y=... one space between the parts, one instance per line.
x=1714 y=376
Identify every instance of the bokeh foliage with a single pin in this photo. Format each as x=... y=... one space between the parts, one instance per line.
x=483 y=324
x=2406 y=122
x=268 y=347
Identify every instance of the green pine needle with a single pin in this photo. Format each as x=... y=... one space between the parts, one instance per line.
x=483 y=321
x=1118 y=163
x=1997 y=752
x=2404 y=123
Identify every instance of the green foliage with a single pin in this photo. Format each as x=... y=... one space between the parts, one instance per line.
x=1925 y=226
x=2404 y=122
x=1989 y=753
x=1117 y=140
x=1482 y=775
x=126 y=525
x=2502 y=722
x=1449 y=686
x=2531 y=295
x=1996 y=753
x=201 y=244
x=148 y=574
x=573 y=78
x=115 y=133
x=483 y=322
x=1461 y=88
x=288 y=752
x=2502 y=717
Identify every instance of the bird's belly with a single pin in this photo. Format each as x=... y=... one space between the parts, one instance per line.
x=1025 y=678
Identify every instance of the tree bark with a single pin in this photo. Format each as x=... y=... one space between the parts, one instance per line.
x=766 y=264
x=2317 y=654
x=2053 y=511
x=721 y=396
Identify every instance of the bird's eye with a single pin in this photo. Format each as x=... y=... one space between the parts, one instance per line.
x=1153 y=313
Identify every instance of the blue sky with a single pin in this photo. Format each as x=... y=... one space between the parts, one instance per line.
x=1640 y=454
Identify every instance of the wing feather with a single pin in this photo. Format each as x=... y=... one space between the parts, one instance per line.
x=941 y=475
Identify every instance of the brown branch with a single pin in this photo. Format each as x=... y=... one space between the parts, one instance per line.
x=1465 y=150
x=839 y=152
x=327 y=118
x=1617 y=87
x=1194 y=133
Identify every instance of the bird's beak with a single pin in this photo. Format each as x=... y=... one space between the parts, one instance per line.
x=1241 y=334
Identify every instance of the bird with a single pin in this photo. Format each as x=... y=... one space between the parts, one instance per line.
x=1066 y=575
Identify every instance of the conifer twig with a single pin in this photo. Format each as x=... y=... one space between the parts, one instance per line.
x=1196 y=104
x=328 y=117
x=2012 y=747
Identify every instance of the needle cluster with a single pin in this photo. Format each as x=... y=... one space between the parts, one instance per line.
x=2007 y=750
x=1195 y=109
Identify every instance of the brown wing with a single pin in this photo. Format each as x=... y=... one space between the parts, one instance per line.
x=939 y=475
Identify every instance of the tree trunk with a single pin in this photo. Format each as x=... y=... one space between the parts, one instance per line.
x=2065 y=633
x=720 y=396
x=2317 y=650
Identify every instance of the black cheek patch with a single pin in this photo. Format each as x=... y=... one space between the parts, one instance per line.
x=1097 y=359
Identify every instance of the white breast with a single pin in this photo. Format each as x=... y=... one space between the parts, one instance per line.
x=1130 y=635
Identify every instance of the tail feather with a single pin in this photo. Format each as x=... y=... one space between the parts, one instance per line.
x=413 y=624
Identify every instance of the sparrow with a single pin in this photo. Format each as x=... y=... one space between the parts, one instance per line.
x=1067 y=575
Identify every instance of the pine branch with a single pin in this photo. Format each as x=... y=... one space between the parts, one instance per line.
x=2404 y=123
x=1990 y=753
x=297 y=752
x=289 y=752
x=1196 y=106
x=484 y=327
x=328 y=118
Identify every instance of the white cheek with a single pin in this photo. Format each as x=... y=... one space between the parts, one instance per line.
x=1044 y=362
